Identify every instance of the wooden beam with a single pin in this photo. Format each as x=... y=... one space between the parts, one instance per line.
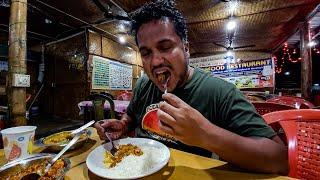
x=17 y=61
x=306 y=63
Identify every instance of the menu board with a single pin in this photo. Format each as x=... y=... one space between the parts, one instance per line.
x=120 y=76
x=100 y=73
x=111 y=75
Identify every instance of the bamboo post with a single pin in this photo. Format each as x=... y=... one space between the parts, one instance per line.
x=306 y=63
x=17 y=61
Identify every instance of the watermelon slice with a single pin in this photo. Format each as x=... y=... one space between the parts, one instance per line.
x=151 y=122
x=15 y=152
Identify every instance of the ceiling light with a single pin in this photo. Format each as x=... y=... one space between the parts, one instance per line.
x=312 y=43
x=47 y=21
x=287 y=73
x=231 y=24
x=122 y=28
x=233 y=6
x=122 y=39
x=229 y=53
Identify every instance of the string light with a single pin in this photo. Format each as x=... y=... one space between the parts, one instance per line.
x=287 y=55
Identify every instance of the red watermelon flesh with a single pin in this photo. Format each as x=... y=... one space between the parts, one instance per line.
x=15 y=152
x=151 y=122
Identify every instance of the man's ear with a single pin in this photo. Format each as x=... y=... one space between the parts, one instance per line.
x=186 y=49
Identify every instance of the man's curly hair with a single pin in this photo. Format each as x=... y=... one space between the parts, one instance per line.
x=158 y=10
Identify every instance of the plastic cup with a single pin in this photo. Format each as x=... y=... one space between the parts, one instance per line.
x=18 y=141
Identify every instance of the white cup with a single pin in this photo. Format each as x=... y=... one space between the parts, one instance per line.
x=18 y=141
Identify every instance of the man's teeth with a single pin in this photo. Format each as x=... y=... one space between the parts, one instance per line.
x=160 y=72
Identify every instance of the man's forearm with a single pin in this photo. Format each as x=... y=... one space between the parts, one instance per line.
x=258 y=154
x=126 y=120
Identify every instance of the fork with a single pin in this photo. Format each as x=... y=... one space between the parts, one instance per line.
x=166 y=86
x=113 y=149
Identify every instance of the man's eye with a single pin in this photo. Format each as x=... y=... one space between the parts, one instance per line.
x=144 y=53
x=165 y=48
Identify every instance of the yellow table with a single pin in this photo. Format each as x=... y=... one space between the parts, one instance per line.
x=181 y=165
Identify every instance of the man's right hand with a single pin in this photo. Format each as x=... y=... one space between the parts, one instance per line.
x=115 y=128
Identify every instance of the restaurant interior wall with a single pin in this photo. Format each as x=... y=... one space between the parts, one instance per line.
x=65 y=77
x=69 y=68
x=100 y=45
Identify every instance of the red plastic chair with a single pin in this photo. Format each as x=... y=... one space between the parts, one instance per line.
x=295 y=102
x=302 y=132
x=266 y=107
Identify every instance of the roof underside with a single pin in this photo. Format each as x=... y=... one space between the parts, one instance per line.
x=263 y=23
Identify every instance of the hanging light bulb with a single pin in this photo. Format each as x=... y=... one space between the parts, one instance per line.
x=294 y=51
x=233 y=5
x=122 y=40
x=231 y=24
x=312 y=43
x=229 y=53
x=122 y=28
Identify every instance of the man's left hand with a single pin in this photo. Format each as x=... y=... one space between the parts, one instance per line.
x=181 y=121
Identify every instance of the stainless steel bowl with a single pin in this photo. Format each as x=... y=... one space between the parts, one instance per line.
x=19 y=165
x=59 y=146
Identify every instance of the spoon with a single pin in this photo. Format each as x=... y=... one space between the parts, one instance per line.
x=74 y=140
x=80 y=129
x=113 y=149
x=166 y=86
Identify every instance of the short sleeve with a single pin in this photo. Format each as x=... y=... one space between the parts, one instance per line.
x=240 y=116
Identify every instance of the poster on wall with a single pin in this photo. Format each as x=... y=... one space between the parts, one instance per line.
x=111 y=75
x=248 y=74
x=120 y=76
x=100 y=73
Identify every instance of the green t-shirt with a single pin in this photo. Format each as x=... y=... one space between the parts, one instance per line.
x=216 y=99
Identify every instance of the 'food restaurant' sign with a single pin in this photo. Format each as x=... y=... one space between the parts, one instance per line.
x=248 y=74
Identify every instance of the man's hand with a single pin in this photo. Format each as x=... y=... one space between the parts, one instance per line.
x=181 y=121
x=116 y=128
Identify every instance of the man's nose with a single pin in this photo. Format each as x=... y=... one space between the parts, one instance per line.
x=157 y=59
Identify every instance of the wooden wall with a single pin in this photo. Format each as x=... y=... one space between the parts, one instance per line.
x=65 y=77
x=69 y=66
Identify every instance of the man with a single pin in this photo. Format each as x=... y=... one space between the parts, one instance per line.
x=200 y=113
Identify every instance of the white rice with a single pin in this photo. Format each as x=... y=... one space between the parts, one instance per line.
x=133 y=166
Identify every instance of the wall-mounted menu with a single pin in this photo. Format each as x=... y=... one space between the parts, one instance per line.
x=100 y=73
x=112 y=75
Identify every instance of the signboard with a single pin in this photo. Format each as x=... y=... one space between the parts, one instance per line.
x=248 y=74
x=100 y=73
x=120 y=76
x=111 y=75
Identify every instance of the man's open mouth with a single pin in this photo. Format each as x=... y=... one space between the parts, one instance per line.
x=163 y=77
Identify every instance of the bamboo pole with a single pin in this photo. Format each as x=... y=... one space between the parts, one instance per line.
x=17 y=61
x=306 y=63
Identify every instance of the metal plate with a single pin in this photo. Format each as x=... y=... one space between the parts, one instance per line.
x=58 y=147
x=19 y=165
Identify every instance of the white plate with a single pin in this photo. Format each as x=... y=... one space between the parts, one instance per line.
x=157 y=160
